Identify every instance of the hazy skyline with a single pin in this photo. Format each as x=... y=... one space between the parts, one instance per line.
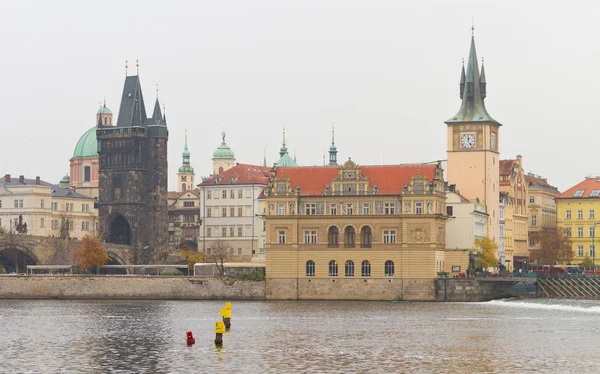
x=386 y=72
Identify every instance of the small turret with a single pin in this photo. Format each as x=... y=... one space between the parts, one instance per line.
x=462 y=79
x=482 y=82
x=333 y=149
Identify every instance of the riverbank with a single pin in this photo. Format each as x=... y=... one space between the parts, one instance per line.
x=129 y=288
x=201 y=288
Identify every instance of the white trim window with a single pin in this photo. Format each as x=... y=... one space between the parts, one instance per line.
x=281 y=237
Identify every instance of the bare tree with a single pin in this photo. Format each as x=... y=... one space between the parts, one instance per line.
x=218 y=253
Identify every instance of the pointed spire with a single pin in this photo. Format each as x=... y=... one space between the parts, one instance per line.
x=186 y=168
x=472 y=91
x=333 y=149
x=265 y=156
x=482 y=82
x=283 y=149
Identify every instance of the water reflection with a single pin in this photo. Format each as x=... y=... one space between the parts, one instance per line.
x=281 y=337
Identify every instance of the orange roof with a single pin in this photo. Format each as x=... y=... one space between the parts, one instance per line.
x=534 y=181
x=172 y=194
x=241 y=174
x=506 y=167
x=589 y=187
x=390 y=179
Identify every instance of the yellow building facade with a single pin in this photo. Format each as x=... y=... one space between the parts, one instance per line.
x=576 y=211
x=542 y=207
x=357 y=232
x=513 y=192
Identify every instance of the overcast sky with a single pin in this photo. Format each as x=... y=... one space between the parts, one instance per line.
x=386 y=72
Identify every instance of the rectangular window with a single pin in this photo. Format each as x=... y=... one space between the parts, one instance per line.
x=311 y=209
x=41 y=223
x=208 y=232
x=87 y=174
x=418 y=208
x=281 y=209
x=209 y=212
x=239 y=251
x=592 y=213
x=532 y=199
x=20 y=203
x=16 y=203
x=281 y=237
x=533 y=220
x=579 y=193
x=240 y=195
x=388 y=208
x=54 y=224
x=0 y=203
x=580 y=232
x=568 y=215
x=531 y=242
x=232 y=194
x=232 y=231
x=224 y=194
x=366 y=209
x=580 y=214
x=450 y=211
x=592 y=232
x=223 y=212
x=580 y=250
x=240 y=211
x=333 y=209
x=595 y=193
x=568 y=232
x=239 y=230
x=224 y=231
x=189 y=204
x=116 y=186
x=54 y=206
x=188 y=218
x=349 y=209
x=389 y=236
x=232 y=212
x=41 y=204
x=208 y=195
x=310 y=237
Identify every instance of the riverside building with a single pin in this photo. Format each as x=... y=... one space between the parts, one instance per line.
x=356 y=232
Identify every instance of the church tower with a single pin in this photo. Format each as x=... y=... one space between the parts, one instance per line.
x=473 y=144
x=223 y=157
x=132 y=202
x=185 y=176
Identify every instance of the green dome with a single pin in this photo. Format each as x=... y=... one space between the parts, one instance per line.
x=87 y=146
x=64 y=182
x=223 y=152
x=104 y=110
x=186 y=169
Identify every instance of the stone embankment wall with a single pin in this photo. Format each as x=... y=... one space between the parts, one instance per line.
x=116 y=287
x=461 y=289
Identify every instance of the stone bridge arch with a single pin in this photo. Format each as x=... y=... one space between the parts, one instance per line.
x=15 y=255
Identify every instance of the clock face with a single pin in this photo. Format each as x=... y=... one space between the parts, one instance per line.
x=468 y=141
x=493 y=141
x=183 y=178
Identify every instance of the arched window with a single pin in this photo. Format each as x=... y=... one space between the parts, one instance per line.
x=349 y=235
x=310 y=268
x=365 y=269
x=389 y=268
x=366 y=237
x=183 y=187
x=349 y=268
x=333 y=235
x=333 y=268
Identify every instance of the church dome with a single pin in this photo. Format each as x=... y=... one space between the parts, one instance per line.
x=64 y=182
x=223 y=151
x=104 y=110
x=87 y=146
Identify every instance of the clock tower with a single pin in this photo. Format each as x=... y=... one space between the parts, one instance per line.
x=473 y=144
x=185 y=176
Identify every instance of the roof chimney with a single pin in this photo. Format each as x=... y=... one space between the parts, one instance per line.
x=7 y=178
x=37 y=180
x=22 y=179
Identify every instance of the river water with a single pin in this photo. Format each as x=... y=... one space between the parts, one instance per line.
x=507 y=336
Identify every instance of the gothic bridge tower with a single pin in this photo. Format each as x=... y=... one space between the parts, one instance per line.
x=133 y=172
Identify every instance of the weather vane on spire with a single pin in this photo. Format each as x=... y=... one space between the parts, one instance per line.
x=223 y=135
x=473 y=26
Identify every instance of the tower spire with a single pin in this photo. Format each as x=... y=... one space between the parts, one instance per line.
x=283 y=149
x=472 y=90
x=265 y=156
x=332 y=149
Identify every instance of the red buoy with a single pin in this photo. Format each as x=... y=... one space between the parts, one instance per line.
x=190 y=338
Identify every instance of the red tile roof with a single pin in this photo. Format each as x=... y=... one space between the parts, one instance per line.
x=507 y=166
x=172 y=195
x=241 y=174
x=534 y=181
x=587 y=186
x=390 y=179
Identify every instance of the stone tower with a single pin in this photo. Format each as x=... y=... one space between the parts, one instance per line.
x=473 y=144
x=185 y=176
x=133 y=172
